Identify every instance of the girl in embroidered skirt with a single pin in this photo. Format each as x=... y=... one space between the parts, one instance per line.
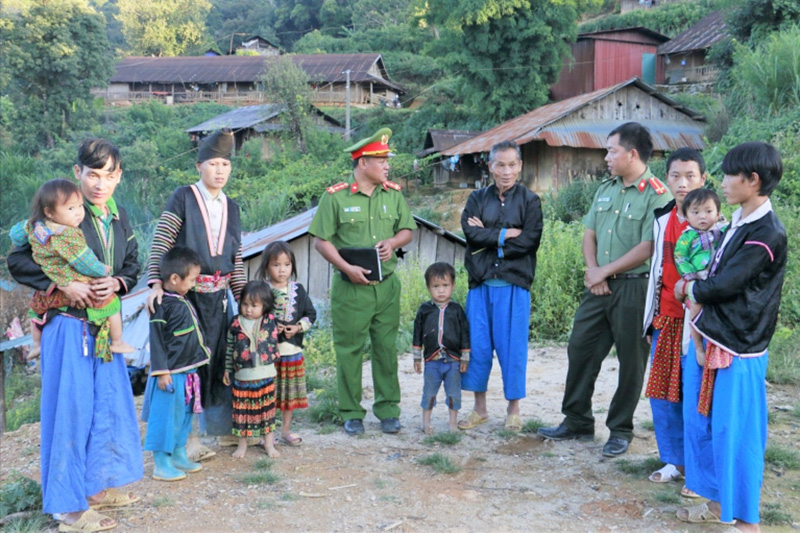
x=295 y=314
x=59 y=248
x=252 y=352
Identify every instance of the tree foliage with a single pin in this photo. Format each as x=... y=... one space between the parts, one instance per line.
x=667 y=19
x=754 y=20
x=288 y=85
x=164 y=27
x=53 y=54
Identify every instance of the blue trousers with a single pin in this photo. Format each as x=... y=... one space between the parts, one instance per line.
x=89 y=433
x=168 y=418
x=499 y=318
x=725 y=450
x=668 y=421
x=436 y=373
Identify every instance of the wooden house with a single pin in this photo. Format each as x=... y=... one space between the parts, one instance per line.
x=631 y=5
x=261 y=121
x=605 y=58
x=445 y=169
x=684 y=57
x=260 y=46
x=236 y=79
x=565 y=141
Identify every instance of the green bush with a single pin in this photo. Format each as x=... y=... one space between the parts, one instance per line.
x=18 y=494
x=766 y=79
x=571 y=202
x=558 y=285
x=23 y=394
x=668 y=19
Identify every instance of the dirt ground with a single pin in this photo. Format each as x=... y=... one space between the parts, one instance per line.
x=375 y=483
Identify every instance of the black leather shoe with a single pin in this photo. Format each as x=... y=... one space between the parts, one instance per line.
x=354 y=426
x=562 y=432
x=615 y=446
x=390 y=425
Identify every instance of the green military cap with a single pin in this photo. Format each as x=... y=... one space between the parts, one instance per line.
x=218 y=144
x=376 y=146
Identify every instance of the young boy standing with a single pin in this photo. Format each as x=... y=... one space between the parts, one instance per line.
x=177 y=349
x=441 y=337
x=740 y=298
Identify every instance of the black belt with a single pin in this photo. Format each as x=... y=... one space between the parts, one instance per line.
x=644 y=275
x=387 y=276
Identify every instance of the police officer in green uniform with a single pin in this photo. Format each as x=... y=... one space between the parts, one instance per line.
x=617 y=245
x=368 y=211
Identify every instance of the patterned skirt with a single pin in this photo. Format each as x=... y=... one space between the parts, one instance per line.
x=253 y=407
x=291 y=382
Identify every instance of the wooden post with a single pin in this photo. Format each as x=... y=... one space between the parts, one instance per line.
x=2 y=393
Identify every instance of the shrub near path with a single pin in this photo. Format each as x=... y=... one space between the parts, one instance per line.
x=376 y=482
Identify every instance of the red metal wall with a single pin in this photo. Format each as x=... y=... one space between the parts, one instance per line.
x=616 y=62
x=580 y=78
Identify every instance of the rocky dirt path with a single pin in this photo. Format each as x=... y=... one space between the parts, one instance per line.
x=375 y=483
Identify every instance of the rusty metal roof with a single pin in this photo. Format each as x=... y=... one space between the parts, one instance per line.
x=623 y=34
x=325 y=68
x=438 y=140
x=702 y=35
x=554 y=124
x=251 y=116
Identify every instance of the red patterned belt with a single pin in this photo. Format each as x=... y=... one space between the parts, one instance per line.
x=215 y=283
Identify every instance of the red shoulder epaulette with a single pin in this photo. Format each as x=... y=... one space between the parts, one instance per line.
x=336 y=188
x=391 y=185
x=657 y=186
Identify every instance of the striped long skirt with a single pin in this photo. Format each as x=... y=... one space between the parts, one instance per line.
x=291 y=382
x=253 y=407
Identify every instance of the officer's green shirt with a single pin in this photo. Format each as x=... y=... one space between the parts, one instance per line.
x=622 y=217
x=348 y=218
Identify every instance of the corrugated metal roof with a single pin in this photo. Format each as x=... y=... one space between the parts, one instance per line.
x=438 y=140
x=619 y=34
x=705 y=33
x=326 y=68
x=580 y=133
x=251 y=116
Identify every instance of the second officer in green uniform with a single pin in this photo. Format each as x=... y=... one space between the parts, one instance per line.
x=366 y=211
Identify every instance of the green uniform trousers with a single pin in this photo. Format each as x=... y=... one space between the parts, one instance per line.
x=600 y=322
x=358 y=310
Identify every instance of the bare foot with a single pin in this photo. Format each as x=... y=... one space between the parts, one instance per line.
x=35 y=352
x=746 y=526
x=269 y=447
x=427 y=429
x=70 y=518
x=241 y=450
x=121 y=347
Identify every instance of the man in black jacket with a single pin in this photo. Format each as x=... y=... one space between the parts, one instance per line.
x=503 y=226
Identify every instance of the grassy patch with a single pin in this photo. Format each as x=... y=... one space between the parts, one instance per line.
x=289 y=497
x=772 y=515
x=648 y=425
x=782 y=458
x=23 y=393
x=547 y=454
x=639 y=468
x=327 y=429
x=507 y=434
x=447 y=439
x=784 y=363
x=263 y=474
x=381 y=483
x=772 y=417
x=441 y=463
x=163 y=501
x=325 y=407
x=667 y=495
x=533 y=425
x=796 y=411
x=19 y=494
x=31 y=524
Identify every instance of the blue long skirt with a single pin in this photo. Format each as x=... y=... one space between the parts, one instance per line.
x=89 y=433
x=725 y=451
x=668 y=421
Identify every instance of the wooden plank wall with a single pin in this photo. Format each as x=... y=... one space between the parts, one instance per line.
x=314 y=272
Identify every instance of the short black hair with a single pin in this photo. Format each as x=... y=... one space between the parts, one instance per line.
x=700 y=196
x=759 y=157
x=633 y=135
x=440 y=270
x=272 y=251
x=179 y=260
x=259 y=291
x=51 y=194
x=94 y=153
x=686 y=155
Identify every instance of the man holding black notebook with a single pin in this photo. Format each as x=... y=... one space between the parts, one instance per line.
x=366 y=213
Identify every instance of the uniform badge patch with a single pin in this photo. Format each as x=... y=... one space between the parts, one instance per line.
x=354 y=209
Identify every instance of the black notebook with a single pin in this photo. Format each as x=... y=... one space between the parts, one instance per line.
x=368 y=258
